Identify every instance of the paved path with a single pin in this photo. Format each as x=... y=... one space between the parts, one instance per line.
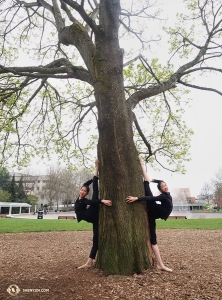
x=189 y=215
x=197 y=215
x=48 y=216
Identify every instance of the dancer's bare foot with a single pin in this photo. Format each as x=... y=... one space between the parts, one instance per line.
x=164 y=268
x=87 y=265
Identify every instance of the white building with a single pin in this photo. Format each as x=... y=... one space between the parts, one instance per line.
x=34 y=184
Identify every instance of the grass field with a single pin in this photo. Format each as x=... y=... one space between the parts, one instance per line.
x=26 y=225
x=204 y=224
x=10 y=225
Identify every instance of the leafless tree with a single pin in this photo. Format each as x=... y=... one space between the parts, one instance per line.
x=217 y=188
x=207 y=192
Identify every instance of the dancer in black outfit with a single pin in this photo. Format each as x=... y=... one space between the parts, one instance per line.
x=155 y=210
x=90 y=214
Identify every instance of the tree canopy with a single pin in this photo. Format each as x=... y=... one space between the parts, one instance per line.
x=47 y=85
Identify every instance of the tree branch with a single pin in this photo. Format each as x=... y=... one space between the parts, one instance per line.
x=200 y=87
x=58 y=16
x=202 y=69
x=142 y=135
x=171 y=83
x=83 y=14
x=67 y=11
x=59 y=66
x=38 y=3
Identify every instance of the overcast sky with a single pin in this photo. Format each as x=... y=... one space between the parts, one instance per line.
x=204 y=117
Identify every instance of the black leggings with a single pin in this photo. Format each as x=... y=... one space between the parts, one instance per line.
x=93 y=216
x=153 y=211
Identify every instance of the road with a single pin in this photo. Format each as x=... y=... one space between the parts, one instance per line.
x=188 y=214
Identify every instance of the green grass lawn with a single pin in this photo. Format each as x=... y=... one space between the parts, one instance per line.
x=204 y=224
x=10 y=225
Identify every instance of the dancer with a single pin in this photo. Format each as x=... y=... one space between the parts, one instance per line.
x=155 y=210
x=90 y=214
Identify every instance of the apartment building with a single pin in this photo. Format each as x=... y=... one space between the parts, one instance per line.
x=33 y=184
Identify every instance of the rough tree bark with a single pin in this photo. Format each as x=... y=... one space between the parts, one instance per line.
x=124 y=236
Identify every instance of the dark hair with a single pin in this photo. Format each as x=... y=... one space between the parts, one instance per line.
x=87 y=188
x=159 y=185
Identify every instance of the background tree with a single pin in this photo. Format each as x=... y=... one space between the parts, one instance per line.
x=21 y=195
x=4 y=196
x=67 y=179
x=78 y=42
x=217 y=185
x=80 y=177
x=50 y=189
x=62 y=185
x=179 y=198
x=32 y=199
x=206 y=193
x=4 y=178
x=13 y=190
x=29 y=180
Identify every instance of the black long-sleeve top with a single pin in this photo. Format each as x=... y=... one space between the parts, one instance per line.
x=166 y=203
x=165 y=199
x=81 y=204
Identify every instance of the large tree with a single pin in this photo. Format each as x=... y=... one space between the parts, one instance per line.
x=78 y=43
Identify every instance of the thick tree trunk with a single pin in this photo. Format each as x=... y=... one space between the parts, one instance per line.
x=123 y=236
x=124 y=246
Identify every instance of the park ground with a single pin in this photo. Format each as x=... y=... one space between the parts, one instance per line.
x=44 y=266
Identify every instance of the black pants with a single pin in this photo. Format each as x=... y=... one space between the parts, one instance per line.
x=153 y=211
x=93 y=215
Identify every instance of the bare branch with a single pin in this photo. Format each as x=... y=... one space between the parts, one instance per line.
x=83 y=14
x=58 y=16
x=161 y=87
x=202 y=69
x=200 y=87
x=38 y=3
x=137 y=34
x=164 y=166
x=142 y=135
x=49 y=70
x=68 y=12
x=185 y=39
x=203 y=15
x=132 y=60
x=29 y=101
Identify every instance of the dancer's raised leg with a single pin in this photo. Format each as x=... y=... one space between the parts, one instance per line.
x=95 y=211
